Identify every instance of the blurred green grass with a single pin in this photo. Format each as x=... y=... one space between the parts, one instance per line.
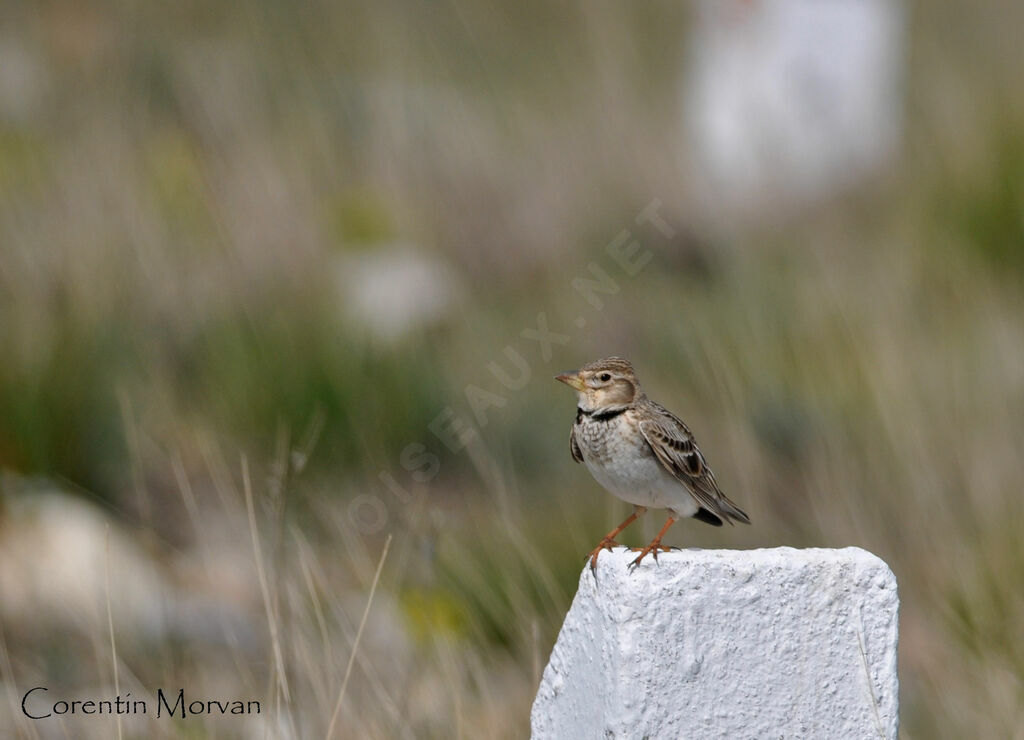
x=174 y=226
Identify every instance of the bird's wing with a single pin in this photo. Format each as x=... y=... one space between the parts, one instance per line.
x=673 y=444
x=574 y=448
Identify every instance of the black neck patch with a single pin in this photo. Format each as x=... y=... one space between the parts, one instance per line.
x=599 y=415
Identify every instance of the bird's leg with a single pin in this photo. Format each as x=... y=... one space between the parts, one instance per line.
x=654 y=545
x=608 y=541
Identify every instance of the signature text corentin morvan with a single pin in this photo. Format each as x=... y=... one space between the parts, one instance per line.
x=35 y=705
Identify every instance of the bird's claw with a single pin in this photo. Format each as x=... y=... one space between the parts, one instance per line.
x=605 y=544
x=653 y=549
x=661 y=548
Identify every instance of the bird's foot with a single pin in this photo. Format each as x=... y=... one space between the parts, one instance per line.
x=655 y=547
x=659 y=548
x=606 y=544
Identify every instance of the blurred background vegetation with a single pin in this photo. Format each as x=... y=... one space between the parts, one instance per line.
x=294 y=234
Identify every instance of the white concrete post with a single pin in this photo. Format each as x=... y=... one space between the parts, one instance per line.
x=779 y=643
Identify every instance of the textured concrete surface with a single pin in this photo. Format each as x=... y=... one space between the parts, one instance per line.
x=779 y=643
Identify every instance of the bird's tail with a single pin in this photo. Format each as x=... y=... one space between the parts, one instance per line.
x=732 y=511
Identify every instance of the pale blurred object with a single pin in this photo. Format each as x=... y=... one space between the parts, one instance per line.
x=788 y=101
x=397 y=289
x=23 y=81
x=56 y=554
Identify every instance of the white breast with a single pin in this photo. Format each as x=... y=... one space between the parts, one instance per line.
x=618 y=457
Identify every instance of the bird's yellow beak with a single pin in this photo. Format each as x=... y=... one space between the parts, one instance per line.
x=571 y=379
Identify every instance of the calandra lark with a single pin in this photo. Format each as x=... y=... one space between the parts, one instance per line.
x=641 y=452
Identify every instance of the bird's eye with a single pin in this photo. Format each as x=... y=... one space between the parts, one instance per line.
x=605 y=377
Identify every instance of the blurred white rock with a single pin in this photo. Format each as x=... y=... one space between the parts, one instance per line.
x=23 y=80
x=54 y=561
x=54 y=564
x=789 y=100
x=396 y=289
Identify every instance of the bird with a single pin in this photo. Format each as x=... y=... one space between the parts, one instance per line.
x=641 y=453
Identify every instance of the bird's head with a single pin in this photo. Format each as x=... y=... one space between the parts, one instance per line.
x=603 y=384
